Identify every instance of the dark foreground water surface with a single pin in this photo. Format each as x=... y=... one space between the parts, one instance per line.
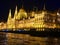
x=25 y=39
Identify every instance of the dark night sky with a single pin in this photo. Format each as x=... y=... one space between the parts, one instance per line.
x=5 y=5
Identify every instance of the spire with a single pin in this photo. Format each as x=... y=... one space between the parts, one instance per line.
x=9 y=14
x=44 y=8
x=22 y=6
x=15 y=13
x=22 y=3
x=35 y=9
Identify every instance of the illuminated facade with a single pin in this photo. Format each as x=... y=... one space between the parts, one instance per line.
x=37 y=20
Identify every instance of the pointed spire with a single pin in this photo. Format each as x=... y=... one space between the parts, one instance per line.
x=22 y=6
x=15 y=13
x=22 y=3
x=9 y=14
x=33 y=8
x=44 y=8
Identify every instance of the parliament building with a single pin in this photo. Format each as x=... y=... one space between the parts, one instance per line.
x=31 y=20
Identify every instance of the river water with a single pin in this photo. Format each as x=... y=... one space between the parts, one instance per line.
x=25 y=39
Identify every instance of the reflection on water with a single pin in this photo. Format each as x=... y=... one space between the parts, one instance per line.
x=3 y=39
x=25 y=39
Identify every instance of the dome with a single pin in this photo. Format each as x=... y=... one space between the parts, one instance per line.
x=21 y=10
x=22 y=14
